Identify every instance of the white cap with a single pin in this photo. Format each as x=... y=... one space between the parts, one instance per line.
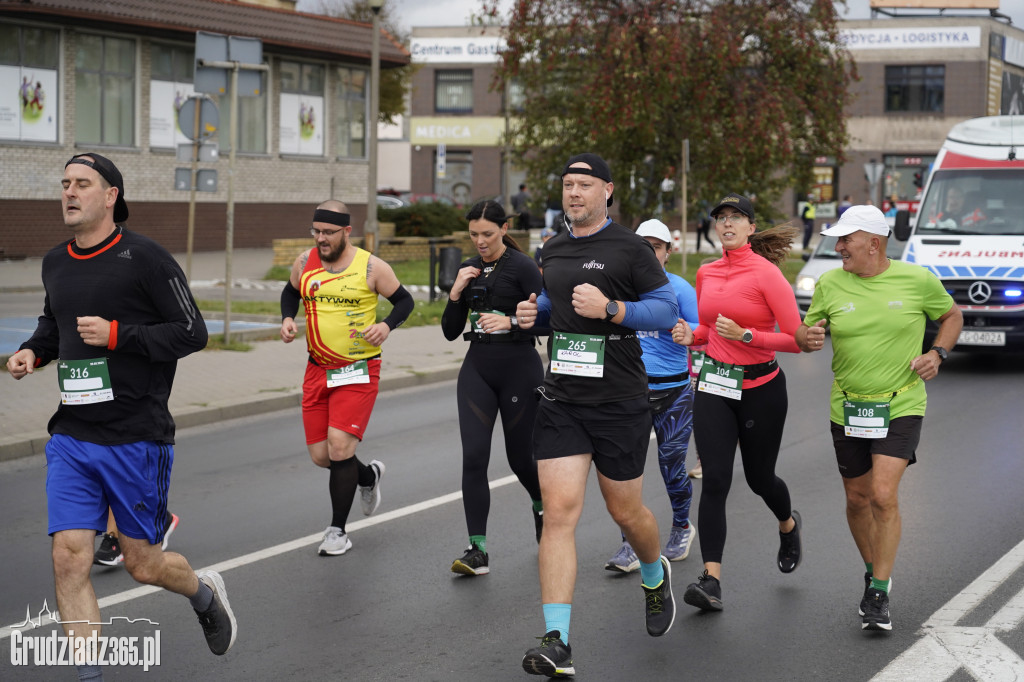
x=866 y=218
x=654 y=228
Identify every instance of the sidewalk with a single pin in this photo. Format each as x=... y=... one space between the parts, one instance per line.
x=212 y=386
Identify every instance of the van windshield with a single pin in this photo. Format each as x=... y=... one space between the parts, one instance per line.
x=986 y=202
x=827 y=248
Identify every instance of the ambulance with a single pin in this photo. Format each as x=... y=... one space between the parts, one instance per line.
x=969 y=230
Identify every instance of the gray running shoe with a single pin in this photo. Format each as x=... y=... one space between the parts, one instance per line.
x=624 y=561
x=679 y=542
x=371 y=493
x=218 y=621
x=335 y=542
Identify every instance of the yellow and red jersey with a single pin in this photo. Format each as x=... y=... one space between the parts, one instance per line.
x=339 y=306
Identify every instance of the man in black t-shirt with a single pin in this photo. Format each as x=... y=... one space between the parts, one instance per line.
x=117 y=316
x=601 y=284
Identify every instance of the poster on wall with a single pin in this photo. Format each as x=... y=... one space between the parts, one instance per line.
x=165 y=100
x=302 y=125
x=1012 y=100
x=28 y=104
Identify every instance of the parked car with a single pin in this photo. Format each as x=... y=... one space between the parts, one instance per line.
x=825 y=258
x=390 y=201
x=428 y=198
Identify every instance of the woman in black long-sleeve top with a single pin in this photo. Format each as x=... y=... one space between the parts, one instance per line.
x=499 y=374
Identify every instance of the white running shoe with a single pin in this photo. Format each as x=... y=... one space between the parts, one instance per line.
x=335 y=542
x=371 y=493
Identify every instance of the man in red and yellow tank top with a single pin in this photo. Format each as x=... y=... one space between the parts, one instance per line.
x=339 y=283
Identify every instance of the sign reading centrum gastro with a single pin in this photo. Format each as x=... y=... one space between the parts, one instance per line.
x=478 y=49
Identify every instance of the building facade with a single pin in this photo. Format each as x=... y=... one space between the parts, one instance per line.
x=111 y=78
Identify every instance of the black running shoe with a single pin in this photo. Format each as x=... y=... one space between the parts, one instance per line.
x=789 y=546
x=473 y=562
x=218 y=620
x=109 y=552
x=660 y=604
x=864 y=599
x=552 y=658
x=876 y=611
x=538 y=523
x=705 y=594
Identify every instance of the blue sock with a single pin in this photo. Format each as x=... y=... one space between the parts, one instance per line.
x=652 y=574
x=556 y=617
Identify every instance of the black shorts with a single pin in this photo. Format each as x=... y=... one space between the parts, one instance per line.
x=616 y=435
x=854 y=454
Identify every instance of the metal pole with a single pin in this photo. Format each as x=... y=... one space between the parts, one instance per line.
x=508 y=159
x=371 y=169
x=230 y=232
x=682 y=208
x=192 y=194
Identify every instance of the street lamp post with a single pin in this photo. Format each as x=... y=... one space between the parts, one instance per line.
x=371 y=230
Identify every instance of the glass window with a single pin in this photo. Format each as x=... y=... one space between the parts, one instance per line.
x=304 y=79
x=105 y=90
x=453 y=91
x=170 y=86
x=252 y=121
x=516 y=95
x=350 y=112
x=302 y=109
x=28 y=73
x=172 y=63
x=915 y=88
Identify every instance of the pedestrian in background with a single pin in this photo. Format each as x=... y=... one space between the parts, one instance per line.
x=500 y=372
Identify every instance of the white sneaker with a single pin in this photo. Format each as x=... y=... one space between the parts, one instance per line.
x=170 y=529
x=371 y=493
x=335 y=542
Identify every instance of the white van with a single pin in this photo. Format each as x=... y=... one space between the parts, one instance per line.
x=969 y=229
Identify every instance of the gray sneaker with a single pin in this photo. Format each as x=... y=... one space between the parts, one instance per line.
x=371 y=493
x=679 y=542
x=335 y=542
x=624 y=561
x=218 y=621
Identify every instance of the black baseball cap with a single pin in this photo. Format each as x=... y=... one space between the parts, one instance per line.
x=737 y=201
x=598 y=168
x=108 y=171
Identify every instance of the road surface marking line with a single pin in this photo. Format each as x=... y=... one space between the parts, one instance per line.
x=269 y=552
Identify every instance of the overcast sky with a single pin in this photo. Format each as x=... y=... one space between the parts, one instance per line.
x=457 y=12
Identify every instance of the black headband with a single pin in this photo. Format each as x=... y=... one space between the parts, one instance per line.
x=321 y=215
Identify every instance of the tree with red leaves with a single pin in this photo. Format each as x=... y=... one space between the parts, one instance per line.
x=759 y=87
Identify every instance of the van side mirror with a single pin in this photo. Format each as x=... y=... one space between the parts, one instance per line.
x=806 y=256
x=902 y=226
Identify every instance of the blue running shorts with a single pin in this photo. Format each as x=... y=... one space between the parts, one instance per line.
x=83 y=479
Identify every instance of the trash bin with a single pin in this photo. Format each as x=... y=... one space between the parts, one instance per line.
x=450 y=259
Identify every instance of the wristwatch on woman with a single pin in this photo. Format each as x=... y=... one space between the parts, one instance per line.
x=514 y=321
x=747 y=337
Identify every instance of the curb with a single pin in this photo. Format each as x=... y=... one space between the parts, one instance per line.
x=35 y=444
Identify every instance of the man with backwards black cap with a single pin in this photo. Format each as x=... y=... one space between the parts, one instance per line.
x=601 y=283
x=339 y=284
x=117 y=316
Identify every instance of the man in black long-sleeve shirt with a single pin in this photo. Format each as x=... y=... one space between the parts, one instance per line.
x=117 y=316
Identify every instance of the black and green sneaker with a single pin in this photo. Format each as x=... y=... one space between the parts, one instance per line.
x=552 y=658
x=473 y=562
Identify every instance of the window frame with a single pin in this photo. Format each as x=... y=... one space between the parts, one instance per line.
x=103 y=74
x=439 y=77
x=912 y=89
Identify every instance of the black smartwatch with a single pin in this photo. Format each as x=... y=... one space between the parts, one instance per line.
x=611 y=310
x=943 y=353
x=514 y=321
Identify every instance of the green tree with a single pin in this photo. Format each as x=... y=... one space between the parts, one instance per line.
x=759 y=87
x=394 y=83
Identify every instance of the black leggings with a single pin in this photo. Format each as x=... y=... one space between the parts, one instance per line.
x=756 y=423
x=497 y=377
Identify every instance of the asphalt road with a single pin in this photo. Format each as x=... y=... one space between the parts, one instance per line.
x=390 y=609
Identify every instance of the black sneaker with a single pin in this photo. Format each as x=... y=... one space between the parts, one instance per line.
x=473 y=562
x=789 y=546
x=109 y=552
x=876 y=611
x=705 y=594
x=660 y=604
x=538 y=523
x=864 y=599
x=218 y=621
x=552 y=658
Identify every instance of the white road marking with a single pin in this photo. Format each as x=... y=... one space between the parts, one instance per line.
x=283 y=548
x=946 y=648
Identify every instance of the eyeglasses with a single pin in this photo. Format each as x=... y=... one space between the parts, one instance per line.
x=734 y=219
x=327 y=233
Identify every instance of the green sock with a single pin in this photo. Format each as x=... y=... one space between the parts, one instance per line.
x=538 y=506
x=882 y=585
x=480 y=541
x=868 y=567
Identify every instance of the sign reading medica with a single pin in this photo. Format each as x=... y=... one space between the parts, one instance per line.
x=925 y=37
x=479 y=49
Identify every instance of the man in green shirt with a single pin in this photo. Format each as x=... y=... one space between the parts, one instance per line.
x=875 y=309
